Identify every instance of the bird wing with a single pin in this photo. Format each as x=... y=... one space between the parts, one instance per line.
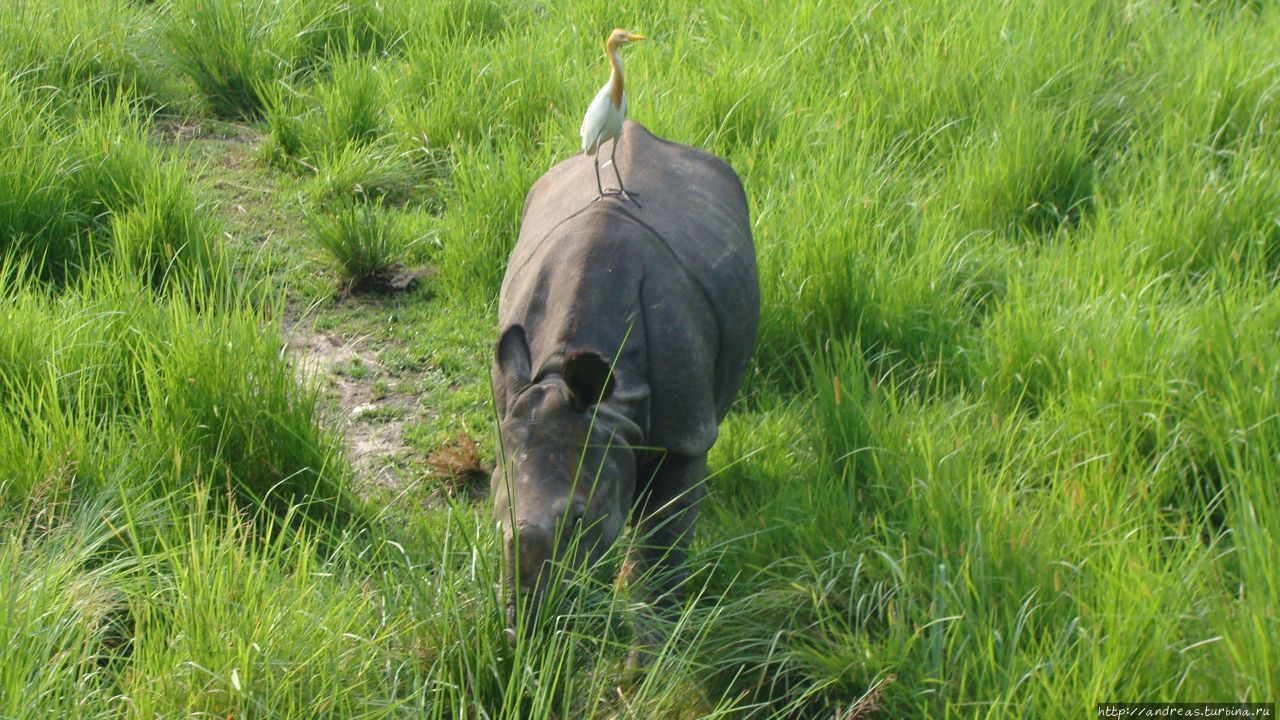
x=595 y=121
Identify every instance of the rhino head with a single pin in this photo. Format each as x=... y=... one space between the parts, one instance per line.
x=566 y=472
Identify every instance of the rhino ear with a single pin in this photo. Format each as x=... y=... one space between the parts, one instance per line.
x=589 y=377
x=512 y=357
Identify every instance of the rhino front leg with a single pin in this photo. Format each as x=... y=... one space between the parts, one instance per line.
x=655 y=569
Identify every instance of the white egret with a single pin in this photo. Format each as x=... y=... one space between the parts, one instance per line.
x=603 y=120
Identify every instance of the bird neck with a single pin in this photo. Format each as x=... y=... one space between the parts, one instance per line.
x=615 y=79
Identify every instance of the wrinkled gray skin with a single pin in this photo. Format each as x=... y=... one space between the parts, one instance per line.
x=625 y=332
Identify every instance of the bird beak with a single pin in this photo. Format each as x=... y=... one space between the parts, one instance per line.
x=632 y=37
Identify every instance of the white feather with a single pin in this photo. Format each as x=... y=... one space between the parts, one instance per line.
x=603 y=121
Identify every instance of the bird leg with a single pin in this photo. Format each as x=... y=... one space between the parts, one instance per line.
x=622 y=189
x=599 y=187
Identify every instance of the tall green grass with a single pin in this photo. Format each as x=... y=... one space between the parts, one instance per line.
x=235 y=51
x=1008 y=449
x=62 y=604
x=83 y=187
x=109 y=386
x=97 y=50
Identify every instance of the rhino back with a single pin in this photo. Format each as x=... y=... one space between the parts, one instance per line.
x=669 y=289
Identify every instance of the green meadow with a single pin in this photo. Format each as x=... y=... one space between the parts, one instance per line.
x=1009 y=448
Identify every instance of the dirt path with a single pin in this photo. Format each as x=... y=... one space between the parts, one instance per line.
x=370 y=415
x=369 y=403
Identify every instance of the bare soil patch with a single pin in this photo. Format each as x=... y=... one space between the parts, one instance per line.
x=365 y=402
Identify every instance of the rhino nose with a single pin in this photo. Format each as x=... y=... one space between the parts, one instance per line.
x=528 y=556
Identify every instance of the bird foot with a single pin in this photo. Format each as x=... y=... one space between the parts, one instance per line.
x=621 y=193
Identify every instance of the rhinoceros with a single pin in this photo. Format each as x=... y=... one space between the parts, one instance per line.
x=624 y=334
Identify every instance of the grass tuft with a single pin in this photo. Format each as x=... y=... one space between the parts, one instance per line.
x=362 y=242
